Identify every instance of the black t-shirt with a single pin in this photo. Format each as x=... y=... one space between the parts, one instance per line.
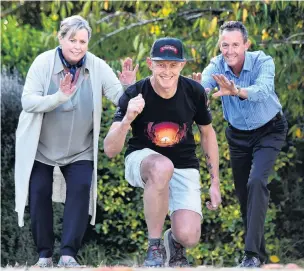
x=165 y=125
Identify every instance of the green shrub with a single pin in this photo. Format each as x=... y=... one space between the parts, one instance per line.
x=120 y=235
x=20 y=45
x=17 y=245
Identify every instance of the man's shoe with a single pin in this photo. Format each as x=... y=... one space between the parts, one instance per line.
x=175 y=252
x=44 y=263
x=68 y=261
x=250 y=262
x=155 y=256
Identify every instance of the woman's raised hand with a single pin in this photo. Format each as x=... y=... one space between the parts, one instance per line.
x=128 y=75
x=66 y=85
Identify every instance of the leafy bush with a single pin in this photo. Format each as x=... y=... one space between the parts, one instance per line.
x=222 y=232
x=20 y=45
x=120 y=235
x=15 y=244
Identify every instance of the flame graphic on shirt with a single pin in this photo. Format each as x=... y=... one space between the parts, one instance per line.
x=166 y=134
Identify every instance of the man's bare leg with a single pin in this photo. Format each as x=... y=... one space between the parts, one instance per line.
x=156 y=171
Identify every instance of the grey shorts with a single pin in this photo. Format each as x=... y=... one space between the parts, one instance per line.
x=184 y=187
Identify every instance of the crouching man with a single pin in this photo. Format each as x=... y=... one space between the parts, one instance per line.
x=160 y=157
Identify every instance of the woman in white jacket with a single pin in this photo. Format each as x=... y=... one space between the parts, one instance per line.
x=59 y=127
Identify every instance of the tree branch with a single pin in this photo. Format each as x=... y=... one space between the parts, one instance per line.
x=127 y=28
x=282 y=42
x=144 y=22
x=187 y=12
x=10 y=10
x=295 y=35
x=115 y=14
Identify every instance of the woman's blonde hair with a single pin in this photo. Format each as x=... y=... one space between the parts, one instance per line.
x=73 y=24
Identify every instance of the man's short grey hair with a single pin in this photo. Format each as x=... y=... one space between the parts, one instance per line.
x=73 y=24
x=235 y=25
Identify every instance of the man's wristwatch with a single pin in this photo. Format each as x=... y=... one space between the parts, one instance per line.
x=238 y=91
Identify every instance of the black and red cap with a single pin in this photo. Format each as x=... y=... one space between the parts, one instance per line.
x=168 y=49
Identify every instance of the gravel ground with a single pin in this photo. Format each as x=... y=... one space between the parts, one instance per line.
x=199 y=268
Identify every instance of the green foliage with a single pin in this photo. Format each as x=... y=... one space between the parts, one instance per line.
x=17 y=245
x=128 y=28
x=20 y=44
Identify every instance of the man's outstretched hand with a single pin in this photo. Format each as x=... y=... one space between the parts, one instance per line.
x=226 y=87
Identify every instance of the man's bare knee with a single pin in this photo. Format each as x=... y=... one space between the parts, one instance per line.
x=186 y=227
x=187 y=236
x=157 y=171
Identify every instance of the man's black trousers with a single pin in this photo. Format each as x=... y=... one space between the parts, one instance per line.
x=253 y=154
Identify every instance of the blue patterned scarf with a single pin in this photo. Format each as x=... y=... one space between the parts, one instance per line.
x=72 y=68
